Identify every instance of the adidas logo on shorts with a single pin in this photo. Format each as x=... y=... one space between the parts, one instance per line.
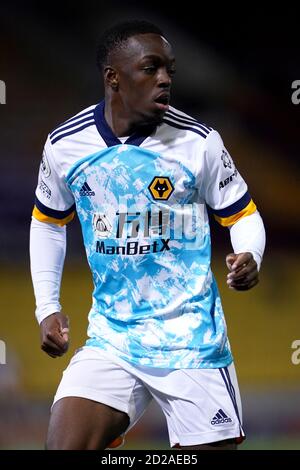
x=220 y=418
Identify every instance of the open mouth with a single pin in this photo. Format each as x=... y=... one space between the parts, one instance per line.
x=162 y=101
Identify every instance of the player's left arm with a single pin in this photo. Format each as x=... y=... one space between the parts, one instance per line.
x=248 y=239
x=227 y=194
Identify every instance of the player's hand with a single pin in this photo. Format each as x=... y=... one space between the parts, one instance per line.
x=55 y=334
x=243 y=271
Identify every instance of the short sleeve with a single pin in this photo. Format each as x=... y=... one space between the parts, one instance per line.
x=222 y=187
x=54 y=202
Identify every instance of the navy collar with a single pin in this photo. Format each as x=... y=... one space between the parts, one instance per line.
x=110 y=138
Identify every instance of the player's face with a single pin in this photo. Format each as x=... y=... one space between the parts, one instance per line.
x=145 y=70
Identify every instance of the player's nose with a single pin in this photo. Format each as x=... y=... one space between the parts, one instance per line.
x=164 y=79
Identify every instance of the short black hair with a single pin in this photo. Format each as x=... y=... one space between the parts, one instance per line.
x=114 y=37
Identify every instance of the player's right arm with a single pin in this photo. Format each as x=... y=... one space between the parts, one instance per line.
x=54 y=207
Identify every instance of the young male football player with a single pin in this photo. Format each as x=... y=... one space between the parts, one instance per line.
x=139 y=174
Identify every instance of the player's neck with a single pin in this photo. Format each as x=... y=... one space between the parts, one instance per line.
x=118 y=124
x=118 y=120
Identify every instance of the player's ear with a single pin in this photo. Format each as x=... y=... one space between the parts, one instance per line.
x=111 y=78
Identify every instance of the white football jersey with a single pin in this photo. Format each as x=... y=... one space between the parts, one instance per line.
x=142 y=209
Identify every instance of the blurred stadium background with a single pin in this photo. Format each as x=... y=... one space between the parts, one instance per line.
x=235 y=70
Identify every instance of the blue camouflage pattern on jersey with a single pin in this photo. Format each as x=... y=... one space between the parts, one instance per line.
x=155 y=300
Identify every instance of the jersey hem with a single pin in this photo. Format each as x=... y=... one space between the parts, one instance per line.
x=204 y=364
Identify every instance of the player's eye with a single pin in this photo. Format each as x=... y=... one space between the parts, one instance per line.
x=150 y=69
x=171 y=72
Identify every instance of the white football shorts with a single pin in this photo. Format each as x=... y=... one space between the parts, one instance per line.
x=201 y=406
